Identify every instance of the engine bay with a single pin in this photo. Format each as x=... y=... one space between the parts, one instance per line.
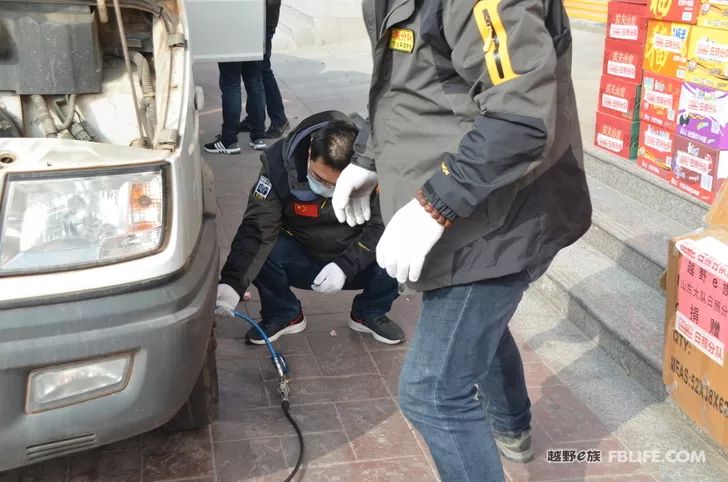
x=77 y=70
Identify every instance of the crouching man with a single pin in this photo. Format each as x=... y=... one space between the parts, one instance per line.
x=290 y=237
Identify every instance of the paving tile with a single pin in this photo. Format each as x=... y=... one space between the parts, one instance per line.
x=377 y=430
x=107 y=465
x=540 y=469
x=320 y=449
x=389 y=364
x=333 y=389
x=563 y=417
x=248 y=459
x=177 y=455
x=55 y=470
x=528 y=355
x=637 y=477
x=397 y=470
x=341 y=355
x=539 y=375
x=241 y=384
x=300 y=366
x=130 y=443
x=271 y=422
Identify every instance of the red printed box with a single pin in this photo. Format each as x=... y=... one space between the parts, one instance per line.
x=660 y=100
x=619 y=98
x=698 y=170
x=674 y=10
x=655 y=151
x=627 y=21
x=623 y=60
x=616 y=135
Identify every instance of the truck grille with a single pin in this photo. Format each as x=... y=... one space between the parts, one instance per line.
x=37 y=453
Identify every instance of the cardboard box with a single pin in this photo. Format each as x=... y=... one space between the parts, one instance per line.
x=674 y=10
x=616 y=135
x=619 y=98
x=660 y=100
x=697 y=169
x=713 y=14
x=655 y=151
x=695 y=372
x=623 y=60
x=703 y=115
x=627 y=21
x=666 y=49
x=708 y=57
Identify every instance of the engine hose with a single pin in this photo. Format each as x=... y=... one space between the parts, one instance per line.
x=70 y=115
x=44 y=116
x=282 y=368
x=148 y=102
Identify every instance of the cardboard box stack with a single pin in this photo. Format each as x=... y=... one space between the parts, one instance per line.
x=617 y=126
x=695 y=369
x=665 y=68
x=663 y=97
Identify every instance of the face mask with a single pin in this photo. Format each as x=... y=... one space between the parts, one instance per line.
x=319 y=188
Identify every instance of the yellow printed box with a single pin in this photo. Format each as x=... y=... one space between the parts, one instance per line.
x=714 y=14
x=708 y=58
x=666 y=48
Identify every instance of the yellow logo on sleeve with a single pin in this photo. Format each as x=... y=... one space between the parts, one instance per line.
x=402 y=40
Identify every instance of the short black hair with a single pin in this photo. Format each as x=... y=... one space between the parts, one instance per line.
x=334 y=144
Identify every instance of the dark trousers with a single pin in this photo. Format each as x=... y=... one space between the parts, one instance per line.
x=252 y=75
x=273 y=98
x=289 y=265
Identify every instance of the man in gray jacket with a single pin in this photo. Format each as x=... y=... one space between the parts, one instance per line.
x=474 y=142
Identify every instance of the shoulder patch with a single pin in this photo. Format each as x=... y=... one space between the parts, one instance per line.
x=263 y=188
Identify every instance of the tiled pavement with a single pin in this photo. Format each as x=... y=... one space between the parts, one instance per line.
x=344 y=396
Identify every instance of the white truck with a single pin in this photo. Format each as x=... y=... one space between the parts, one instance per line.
x=108 y=248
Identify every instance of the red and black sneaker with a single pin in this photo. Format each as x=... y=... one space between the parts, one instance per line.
x=382 y=329
x=297 y=325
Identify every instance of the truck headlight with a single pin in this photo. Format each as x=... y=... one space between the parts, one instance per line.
x=63 y=385
x=81 y=219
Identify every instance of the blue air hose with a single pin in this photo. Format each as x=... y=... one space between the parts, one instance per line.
x=283 y=390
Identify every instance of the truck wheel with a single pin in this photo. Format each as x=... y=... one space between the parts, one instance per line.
x=200 y=409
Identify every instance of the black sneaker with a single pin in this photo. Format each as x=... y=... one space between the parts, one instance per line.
x=244 y=126
x=274 y=332
x=219 y=147
x=274 y=132
x=515 y=447
x=382 y=329
x=258 y=144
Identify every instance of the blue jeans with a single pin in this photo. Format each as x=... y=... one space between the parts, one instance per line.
x=232 y=105
x=463 y=377
x=273 y=98
x=290 y=265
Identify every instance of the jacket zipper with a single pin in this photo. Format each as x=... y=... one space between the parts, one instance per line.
x=496 y=42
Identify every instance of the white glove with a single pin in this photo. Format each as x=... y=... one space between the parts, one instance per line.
x=330 y=280
x=409 y=236
x=227 y=300
x=352 y=196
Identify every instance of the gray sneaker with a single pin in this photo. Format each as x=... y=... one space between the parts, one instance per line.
x=515 y=447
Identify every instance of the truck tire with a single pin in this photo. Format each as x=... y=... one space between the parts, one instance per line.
x=200 y=409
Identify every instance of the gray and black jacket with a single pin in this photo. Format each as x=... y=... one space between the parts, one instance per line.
x=473 y=102
x=280 y=200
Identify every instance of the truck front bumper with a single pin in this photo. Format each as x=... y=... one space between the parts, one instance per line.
x=165 y=324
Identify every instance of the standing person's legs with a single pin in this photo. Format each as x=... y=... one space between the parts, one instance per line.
x=273 y=98
x=252 y=73
x=229 y=81
x=457 y=339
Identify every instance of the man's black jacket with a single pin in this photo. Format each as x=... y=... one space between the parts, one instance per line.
x=281 y=200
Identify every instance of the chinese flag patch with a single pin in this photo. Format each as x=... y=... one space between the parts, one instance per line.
x=308 y=210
